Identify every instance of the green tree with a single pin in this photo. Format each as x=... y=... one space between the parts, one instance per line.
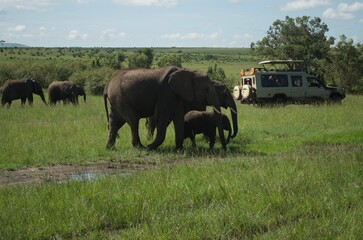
x=169 y=60
x=346 y=69
x=216 y=73
x=302 y=38
x=142 y=58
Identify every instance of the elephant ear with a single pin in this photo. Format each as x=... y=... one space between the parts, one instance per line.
x=181 y=82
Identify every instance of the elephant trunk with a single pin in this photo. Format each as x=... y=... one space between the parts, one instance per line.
x=41 y=94
x=227 y=126
x=84 y=97
x=234 y=120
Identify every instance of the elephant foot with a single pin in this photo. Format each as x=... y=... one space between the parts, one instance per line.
x=179 y=150
x=140 y=146
x=110 y=147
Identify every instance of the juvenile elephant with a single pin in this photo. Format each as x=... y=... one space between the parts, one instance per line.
x=163 y=93
x=65 y=91
x=226 y=100
x=196 y=122
x=21 y=89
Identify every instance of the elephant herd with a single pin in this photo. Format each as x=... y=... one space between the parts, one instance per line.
x=162 y=96
x=23 y=89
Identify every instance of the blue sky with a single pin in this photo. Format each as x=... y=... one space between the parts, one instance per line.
x=165 y=23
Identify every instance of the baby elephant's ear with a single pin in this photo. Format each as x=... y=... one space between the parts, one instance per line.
x=181 y=82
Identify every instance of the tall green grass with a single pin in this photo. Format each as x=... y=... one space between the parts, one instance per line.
x=311 y=195
x=292 y=172
x=44 y=135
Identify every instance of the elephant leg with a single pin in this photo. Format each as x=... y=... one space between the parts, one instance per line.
x=30 y=100
x=23 y=100
x=192 y=138
x=212 y=139
x=114 y=126
x=179 y=130
x=134 y=125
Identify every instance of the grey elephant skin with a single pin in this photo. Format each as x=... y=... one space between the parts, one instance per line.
x=226 y=100
x=65 y=91
x=164 y=93
x=204 y=122
x=22 y=89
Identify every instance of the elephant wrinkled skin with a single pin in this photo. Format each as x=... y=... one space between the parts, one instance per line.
x=21 y=89
x=226 y=100
x=196 y=122
x=164 y=93
x=65 y=91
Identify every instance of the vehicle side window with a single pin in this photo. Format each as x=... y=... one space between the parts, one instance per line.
x=274 y=80
x=296 y=81
x=313 y=82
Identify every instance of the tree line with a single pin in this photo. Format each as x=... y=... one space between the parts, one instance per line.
x=304 y=38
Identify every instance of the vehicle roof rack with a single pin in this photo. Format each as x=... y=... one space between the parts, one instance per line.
x=292 y=65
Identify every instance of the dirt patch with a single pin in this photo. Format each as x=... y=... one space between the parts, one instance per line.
x=59 y=173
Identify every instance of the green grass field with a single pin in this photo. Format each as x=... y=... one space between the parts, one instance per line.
x=292 y=172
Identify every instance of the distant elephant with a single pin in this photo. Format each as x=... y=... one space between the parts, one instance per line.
x=226 y=100
x=65 y=91
x=196 y=122
x=163 y=93
x=21 y=89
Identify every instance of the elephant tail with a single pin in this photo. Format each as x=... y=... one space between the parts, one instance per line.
x=105 y=96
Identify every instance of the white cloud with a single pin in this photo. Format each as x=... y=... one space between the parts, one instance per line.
x=158 y=3
x=17 y=28
x=111 y=34
x=304 y=4
x=10 y=5
x=82 y=2
x=344 y=7
x=343 y=11
x=190 y=36
x=245 y=37
x=334 y=14
x=75 y=35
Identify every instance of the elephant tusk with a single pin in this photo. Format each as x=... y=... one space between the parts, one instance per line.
x=215 y=109
x=234 y=111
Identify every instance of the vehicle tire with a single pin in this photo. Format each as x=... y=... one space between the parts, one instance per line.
x=246 y=92
x=237 y=93
x=335 y=99
x=279 y=100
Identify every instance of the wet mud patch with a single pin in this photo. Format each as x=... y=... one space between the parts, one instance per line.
x=59 y=173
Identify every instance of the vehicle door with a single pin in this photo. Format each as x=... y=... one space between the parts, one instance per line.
x=298 y=88
x=315 y=89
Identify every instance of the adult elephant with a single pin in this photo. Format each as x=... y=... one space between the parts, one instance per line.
x=65 y=91
x=21 y=89
x=163 y=93
x=226 y=100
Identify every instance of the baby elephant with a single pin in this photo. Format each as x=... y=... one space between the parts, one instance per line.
x=196 y=122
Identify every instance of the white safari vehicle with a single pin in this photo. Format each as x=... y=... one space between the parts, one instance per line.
x=282 y=82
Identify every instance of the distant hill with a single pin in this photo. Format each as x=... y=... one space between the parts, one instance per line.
x=14 y=45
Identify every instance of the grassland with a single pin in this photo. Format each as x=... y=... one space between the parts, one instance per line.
x=292 y=172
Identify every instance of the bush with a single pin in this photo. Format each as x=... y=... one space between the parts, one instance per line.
x=94 y=80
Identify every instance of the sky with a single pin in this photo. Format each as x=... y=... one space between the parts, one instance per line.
x=165 y=23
